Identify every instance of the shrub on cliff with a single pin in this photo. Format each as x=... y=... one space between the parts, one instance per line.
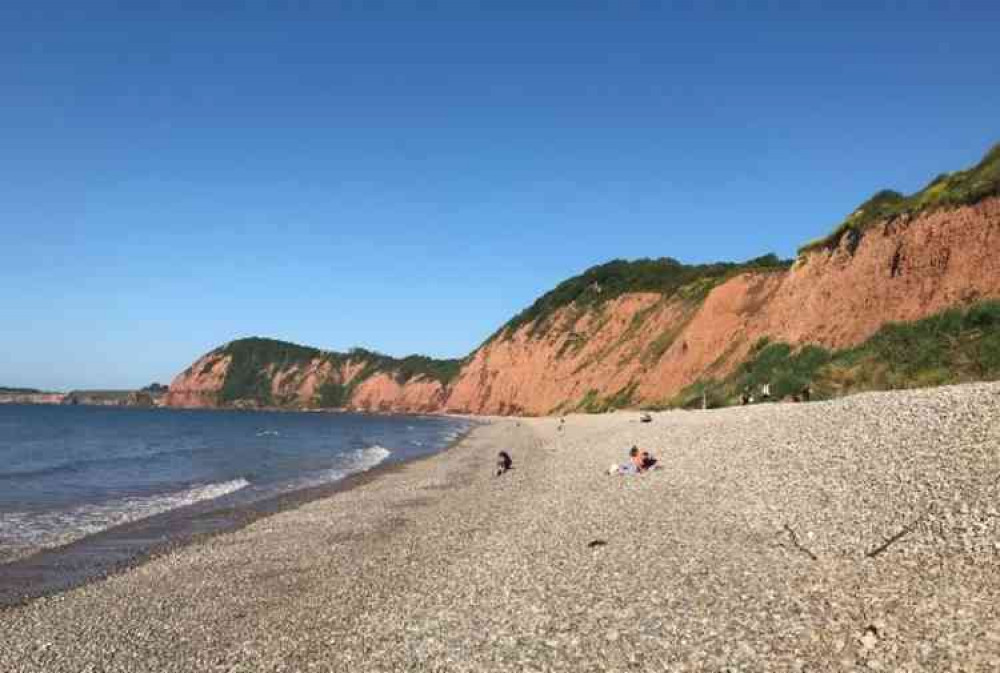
x=954 y=346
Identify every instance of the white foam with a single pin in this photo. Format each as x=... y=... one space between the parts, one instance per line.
x=35 y=530
x=367 y=458
x=359 y=460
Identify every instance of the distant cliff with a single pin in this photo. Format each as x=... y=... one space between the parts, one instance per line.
x=260 y=372
x=147 y=397
x=28 y=396
x=653 y=332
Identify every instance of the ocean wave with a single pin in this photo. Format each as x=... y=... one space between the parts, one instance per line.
x=369 y=457
x=36 y=530
x=359 y=460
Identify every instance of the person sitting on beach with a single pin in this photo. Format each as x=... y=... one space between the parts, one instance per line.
x=504 y=462
x=635 y=457
x=635 y=463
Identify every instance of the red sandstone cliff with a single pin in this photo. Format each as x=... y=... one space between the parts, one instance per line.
x=651 y=345
x=299 y=385
x=901 y=271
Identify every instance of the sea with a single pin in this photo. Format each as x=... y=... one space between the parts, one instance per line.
x=70 y=472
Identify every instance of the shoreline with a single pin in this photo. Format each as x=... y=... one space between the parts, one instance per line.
x=119 y=549
x=857 y=534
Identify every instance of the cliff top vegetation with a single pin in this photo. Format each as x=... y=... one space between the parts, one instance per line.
x=605 y=282
x=247 y=377
x=947 y=190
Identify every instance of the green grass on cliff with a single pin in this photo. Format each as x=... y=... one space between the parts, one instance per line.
x=593 y=403
x=955 y=346
x=410 y=367
x=252 y=361
x=600 y=284
x=248 y=377
x=947 y=190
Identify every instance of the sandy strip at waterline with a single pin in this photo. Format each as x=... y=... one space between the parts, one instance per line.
x=856 y=534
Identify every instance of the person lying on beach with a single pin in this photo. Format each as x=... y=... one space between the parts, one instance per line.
x=624 y=468
x=638 y=462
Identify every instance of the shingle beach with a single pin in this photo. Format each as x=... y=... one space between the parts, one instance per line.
x=854 y=535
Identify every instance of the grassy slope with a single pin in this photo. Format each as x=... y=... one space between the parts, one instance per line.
x=947 y=190
x=954 y=346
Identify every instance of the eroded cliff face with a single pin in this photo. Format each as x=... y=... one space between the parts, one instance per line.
x=901 y=270
x=384 y=393
x=199 y=385
x=646 y=347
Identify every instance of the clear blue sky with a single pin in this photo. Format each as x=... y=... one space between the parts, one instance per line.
x=174 y=175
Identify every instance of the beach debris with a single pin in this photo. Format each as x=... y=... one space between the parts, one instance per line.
x=798 y=545
x=594 y=544
x=896 y=538
x=869 y=639
x=645 y=417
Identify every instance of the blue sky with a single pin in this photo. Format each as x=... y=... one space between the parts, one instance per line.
x=406 y=177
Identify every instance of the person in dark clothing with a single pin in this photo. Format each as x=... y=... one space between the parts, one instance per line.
x=646 y=461
x=504 y=463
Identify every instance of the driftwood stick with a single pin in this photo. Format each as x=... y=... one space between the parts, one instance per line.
x=896 y=538
x=795 y=541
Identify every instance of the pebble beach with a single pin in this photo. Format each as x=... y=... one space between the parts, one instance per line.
x=853 y=535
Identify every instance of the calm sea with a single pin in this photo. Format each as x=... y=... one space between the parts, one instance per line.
x=69 y=472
